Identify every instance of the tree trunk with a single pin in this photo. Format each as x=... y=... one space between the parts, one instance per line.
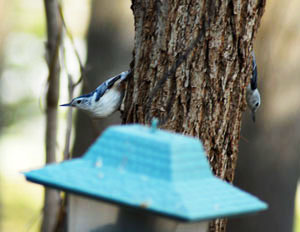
x=51 y=200
x=192 y=62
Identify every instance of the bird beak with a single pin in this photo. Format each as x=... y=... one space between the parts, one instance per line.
x=253 y=116
x=68 y=104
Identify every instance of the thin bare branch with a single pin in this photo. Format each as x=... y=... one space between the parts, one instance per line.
x=67 y=153
x=71 y=87
x=69 y=34
x=71 y=84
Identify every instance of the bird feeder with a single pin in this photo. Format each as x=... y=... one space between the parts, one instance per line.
x=136 y=178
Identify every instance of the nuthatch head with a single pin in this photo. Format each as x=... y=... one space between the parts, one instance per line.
x=252 y=94
x=103 y=101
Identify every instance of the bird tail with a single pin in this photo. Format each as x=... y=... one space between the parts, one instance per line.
x=125 y=74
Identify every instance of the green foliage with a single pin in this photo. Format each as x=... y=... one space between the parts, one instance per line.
x=21 y=207
x=18 y=112
x=27 y=16
x=297 y=212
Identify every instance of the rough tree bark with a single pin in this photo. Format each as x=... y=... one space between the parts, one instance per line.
x=51 y=200
x=192 y=62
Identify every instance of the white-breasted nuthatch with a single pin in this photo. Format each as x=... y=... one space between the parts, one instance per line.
x=252 y=94
x=104 y=100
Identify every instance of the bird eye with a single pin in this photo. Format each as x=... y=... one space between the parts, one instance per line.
x=78 y=101
x=257 y=104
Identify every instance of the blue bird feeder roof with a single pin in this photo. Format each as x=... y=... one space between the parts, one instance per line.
x=151 y=169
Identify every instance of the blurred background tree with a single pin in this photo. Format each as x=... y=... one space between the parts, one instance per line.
x=53 y=43
x=269 y=151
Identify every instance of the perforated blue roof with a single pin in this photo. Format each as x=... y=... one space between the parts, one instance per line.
x=155 y=170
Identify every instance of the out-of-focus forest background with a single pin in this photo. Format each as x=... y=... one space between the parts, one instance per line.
x=269 y=160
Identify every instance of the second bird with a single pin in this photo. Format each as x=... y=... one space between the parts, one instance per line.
x=104 y=100
x=252 y=94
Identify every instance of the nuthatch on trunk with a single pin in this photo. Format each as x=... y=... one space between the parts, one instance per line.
x=252 y=94
x=104 y=100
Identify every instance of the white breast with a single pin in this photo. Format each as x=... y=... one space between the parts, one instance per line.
x=107 y=104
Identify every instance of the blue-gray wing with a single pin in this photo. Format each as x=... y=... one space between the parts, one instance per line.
x=254 y=73
x=105 y=86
